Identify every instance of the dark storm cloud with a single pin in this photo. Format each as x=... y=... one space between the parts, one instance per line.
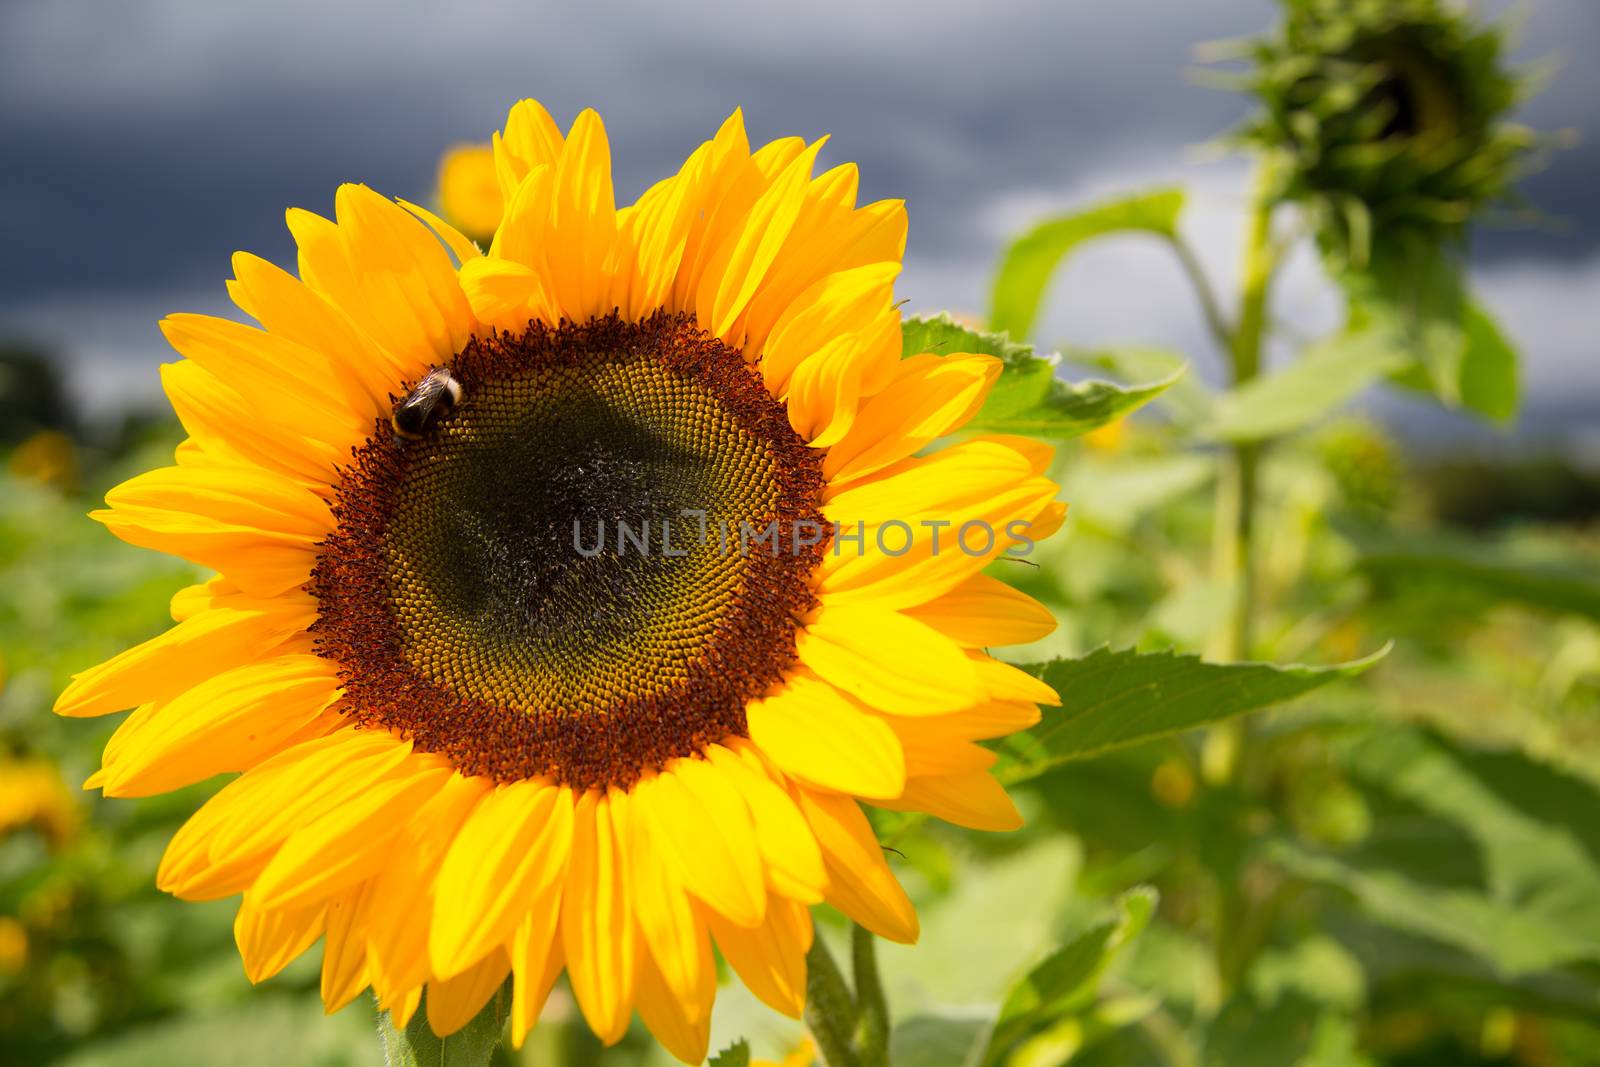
x=147 y=140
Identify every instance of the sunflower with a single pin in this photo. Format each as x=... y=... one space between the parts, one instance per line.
x=469 y=190
x=474 y=744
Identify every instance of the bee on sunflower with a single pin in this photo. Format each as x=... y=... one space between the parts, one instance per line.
x=466 y=751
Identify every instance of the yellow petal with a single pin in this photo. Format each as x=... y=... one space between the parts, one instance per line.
x=403 y=895
x=452 y=1002
x=770 y=958
x=681 y=1023
x=344 y=948
x=676 y=942
x=228 y=722
x=789 y=851
x=184 y=656
x=269 y=431
x=225 y=844
x=860 y=883
x=269 y=940
x=888 y=660
x=293 y=310
x=459 y=244
x=597 y=929
x=505 y=294
x=972 y=799
x=929 y=397
x=536 y=962
x=824 y=392
x=819 y=735
x=583 y=222
x=349 y=844
x=704 y=833
x=347 y=396
x=531 y=140
x=1002 y=681
x=734 y=273
x=258 y=529
x=984 y=611
x=511 y=851
x=837 y=306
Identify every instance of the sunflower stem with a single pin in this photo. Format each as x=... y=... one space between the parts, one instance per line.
x=830 y=1008
x=473 y=1045
x=872 y=1009
x=1224 y=756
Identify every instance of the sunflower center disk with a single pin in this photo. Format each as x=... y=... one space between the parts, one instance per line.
x=552 y=580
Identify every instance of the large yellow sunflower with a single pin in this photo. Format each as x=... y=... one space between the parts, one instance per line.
x=474 y=743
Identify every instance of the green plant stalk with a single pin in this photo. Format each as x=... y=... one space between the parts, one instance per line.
x=872 y=1008
x=1224 y=756
x=830 y=1009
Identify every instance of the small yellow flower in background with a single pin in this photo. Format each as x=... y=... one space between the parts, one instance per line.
x=48 y=457
x=469 y=191
x=1107 y=438
x=804 y=1054
x=32 y=794
x=13 y=946
x=469 y=751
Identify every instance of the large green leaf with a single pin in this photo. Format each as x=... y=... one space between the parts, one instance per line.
x=1114 y=698
x=1488 y=852
x=1066 y=980
x=1538 y=579
x=1029 y=398
x=1325 y=377
x=1026 y=267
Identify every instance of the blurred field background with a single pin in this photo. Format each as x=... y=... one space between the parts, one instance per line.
x=1421 y=845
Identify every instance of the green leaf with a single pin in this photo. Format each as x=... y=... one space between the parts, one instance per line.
x=471 y=1046
x=938 y=1041
x=1028 y=263
x=1414 y=291
x=1456 y=350
x=942 y=335
x=1189 y=400
x=1323 y=378
x=735 y=1055
x=1556 y=583
x=1066 y=981
x=1028 y=398
x=1110 y=699
x=1488 y=852
x=1490 y=378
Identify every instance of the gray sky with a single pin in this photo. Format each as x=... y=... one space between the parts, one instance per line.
x=146 y=140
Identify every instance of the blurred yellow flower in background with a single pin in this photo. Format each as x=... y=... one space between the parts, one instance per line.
x=49 y=457
x=33 y=794
x=469 y=192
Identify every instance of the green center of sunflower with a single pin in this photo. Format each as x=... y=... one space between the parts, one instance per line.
x=561 y=576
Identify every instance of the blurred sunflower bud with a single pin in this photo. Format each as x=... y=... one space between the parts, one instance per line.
x=1386 y=123
x=1388 y=118
x=469 y=193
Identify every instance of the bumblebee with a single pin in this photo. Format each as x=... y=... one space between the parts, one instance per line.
x=434 y=397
